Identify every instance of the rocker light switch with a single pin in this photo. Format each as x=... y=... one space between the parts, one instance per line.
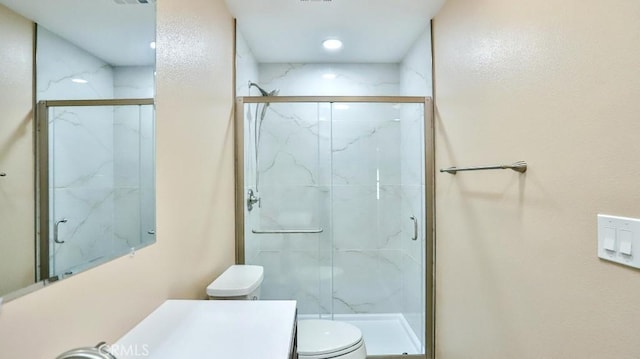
x=617 y=238
x=626 y=238
x=610 y=239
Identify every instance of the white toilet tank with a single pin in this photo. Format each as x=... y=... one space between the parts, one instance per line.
x=238 y=282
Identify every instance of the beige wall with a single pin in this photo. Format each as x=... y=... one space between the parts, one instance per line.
x=17 y=242
x=555 y=83
x=195 y=200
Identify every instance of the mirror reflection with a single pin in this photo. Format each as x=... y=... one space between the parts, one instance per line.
x=92 y=173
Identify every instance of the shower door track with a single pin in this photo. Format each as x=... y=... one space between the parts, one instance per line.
x=429 y=168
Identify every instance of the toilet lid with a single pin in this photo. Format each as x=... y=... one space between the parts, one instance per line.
x=237 y=280
x=317 y=336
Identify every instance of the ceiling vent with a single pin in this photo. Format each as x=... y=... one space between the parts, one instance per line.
x=135 y=2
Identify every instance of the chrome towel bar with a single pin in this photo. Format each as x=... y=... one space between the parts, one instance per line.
x=288 y=231
x=520 y=166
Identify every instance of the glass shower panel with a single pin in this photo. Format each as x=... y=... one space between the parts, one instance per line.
x=413 y=195
x=377 y=152
x=354 y=172
x=287 y=228
x=101 y=184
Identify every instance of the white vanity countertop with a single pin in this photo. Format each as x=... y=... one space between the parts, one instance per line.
x=216 y=329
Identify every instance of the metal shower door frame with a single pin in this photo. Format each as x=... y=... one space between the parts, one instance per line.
x=429 y=195
x=42 y=169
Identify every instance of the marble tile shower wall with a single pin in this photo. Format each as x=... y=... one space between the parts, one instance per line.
x=366 y=205
x=349 y=80
x=133 y=158
x=371 y=266
x=81 y=185
x=416 y=80
x=294 y=193
x=305 y=149
x=82 y=140
x=246 y=66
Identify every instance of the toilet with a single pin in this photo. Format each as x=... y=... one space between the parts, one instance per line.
x=238 y=282
x=317 y=338
x=321 y=339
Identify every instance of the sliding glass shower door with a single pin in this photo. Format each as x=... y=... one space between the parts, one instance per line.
x=286 y=190
x=97 y=182
x=333 y=207
x=377 y=210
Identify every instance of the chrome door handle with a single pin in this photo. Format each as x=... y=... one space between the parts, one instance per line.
x=55 y=230
x=415 y=228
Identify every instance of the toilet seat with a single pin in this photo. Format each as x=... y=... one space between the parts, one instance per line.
x=323 y=339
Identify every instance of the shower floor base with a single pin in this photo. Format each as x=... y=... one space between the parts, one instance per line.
x=384 y=334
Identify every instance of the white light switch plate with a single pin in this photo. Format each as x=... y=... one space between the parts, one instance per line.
x=619 y=239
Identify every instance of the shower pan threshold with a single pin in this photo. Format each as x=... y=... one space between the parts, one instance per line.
x=384 y=334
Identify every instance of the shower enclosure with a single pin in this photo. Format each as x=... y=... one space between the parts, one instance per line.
x=334 y=198
x=96 y=174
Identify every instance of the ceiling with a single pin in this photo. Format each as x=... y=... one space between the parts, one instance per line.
x=119 y=34
x=373 y=31
x=277 y=31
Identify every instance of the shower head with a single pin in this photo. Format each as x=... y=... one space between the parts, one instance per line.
x=262 y=91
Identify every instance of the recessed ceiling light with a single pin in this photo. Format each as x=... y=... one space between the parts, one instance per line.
x=152 y=45
x=329 y=76
x=79 y=81
x=332 y=44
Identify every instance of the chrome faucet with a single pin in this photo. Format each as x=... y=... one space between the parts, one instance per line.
x=100 y=351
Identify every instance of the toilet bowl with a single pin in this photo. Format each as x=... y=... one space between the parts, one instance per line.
x=322 y=339
x=317 y=339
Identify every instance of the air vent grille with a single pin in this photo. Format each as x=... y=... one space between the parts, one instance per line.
x=135 y=2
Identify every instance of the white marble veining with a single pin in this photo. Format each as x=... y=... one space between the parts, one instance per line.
x=246 y=66
x=356 y=170
x=416 y=80
x=101 y=158
x=370 y=282
x=366 y=145
x=288 y=151
x=415 y=68
x=89 y=129
x=294 y=274
x=126 y=219
x=89 y=228
x=59 y=62
x=349 y=80
x=412 y=144
x=133 y=82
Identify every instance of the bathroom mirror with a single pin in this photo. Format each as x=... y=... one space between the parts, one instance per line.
x=92 y=128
